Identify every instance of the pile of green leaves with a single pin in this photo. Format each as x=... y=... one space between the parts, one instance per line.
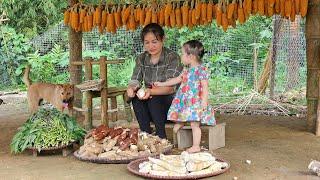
x=47 y=128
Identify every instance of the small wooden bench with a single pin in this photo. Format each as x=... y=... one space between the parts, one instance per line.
x=112 y=94
x=216 y=136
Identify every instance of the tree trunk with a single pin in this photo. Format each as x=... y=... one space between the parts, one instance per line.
x=293 y=55
x=277 y=22
x=75 y=43
x=313 y=64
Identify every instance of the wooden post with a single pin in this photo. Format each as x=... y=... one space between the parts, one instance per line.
x=75 y=44
x=104 y=91
x=88 y=94
x=313 y=64
x=317 y=124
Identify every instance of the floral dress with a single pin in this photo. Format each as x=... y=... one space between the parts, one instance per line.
x=186 y=106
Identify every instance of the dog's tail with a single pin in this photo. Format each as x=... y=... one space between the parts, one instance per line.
x=26 y=78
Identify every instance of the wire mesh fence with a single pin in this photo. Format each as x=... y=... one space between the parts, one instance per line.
x=238 y=61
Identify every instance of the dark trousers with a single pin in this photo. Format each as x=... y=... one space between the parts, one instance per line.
x=154 y=109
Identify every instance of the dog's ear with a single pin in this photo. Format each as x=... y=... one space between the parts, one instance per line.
x=60 y=86
x=71 y=86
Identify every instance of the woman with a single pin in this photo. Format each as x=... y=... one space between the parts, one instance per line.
x=157 y=63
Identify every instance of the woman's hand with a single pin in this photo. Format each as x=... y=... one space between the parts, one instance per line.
x=130 y=92
x=147 y=94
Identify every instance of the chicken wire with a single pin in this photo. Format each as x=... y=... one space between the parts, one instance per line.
x=289 y=50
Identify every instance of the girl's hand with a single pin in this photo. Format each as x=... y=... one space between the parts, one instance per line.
x=158 y=84
x=204 y=105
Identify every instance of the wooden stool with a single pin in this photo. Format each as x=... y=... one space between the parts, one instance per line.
x=113 y=92
x=216 y=136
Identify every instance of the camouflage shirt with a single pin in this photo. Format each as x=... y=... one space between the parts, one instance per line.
x=169 y=66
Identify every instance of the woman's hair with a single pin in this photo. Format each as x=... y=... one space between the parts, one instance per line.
x=154 y=28
x=195 y=48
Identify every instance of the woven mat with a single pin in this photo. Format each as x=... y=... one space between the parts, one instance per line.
x=121 y=160
x=133 y=167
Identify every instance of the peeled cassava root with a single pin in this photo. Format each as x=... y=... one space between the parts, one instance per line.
x=182 y=165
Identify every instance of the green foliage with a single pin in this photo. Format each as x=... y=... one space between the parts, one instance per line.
x=47 y=128
x=222 y=78
x=13 y=51
x=33 y=17
x=50 y=67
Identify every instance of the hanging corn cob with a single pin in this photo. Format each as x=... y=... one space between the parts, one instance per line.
x=241 y=17
x=255 y=6
x=219 y=13
x=193 y=14
x=261 y=7
x=198 y=7
x=230 y=9
x=287 y=8
x=185 y=13
x=209 y=11
x=297 y=6
x=178 y=16
x=154 y=16
x=173 y=17
x=161 y=15
x=303 y=7
x=66 y=17
x=132 y=22
x=103 y=19
x=190 y=24
x=142 y=16
x=203 y=13
x=224 y=19
x=148 y=16
x=293 y=11
x=117 y=17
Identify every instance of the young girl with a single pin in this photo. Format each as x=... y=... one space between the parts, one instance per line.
x=191 y=101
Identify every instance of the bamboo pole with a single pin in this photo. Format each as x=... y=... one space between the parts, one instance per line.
x=75 y=44
x=313 y=64
x=88 y=95
x=104 y=91
x=255 y=67
x=264 y=77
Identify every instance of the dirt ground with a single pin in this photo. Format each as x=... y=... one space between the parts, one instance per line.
x=278 y=147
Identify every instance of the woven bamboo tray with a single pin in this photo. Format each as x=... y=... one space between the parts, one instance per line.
x=133 y=167
x=121 y=160
x=65 y=149
x=91 y=85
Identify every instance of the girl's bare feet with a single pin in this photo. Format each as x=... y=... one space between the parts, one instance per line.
x=194 y=149
x=177 y=126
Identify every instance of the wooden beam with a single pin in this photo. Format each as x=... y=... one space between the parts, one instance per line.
x=313 y=64
x=75 y=44
x=80 y=63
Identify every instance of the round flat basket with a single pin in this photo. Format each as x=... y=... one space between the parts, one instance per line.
x=120 y=160
x=50 y=148
x=133 y=167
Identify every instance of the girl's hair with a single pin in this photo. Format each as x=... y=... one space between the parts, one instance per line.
x=154 y=28
x=195 y=48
